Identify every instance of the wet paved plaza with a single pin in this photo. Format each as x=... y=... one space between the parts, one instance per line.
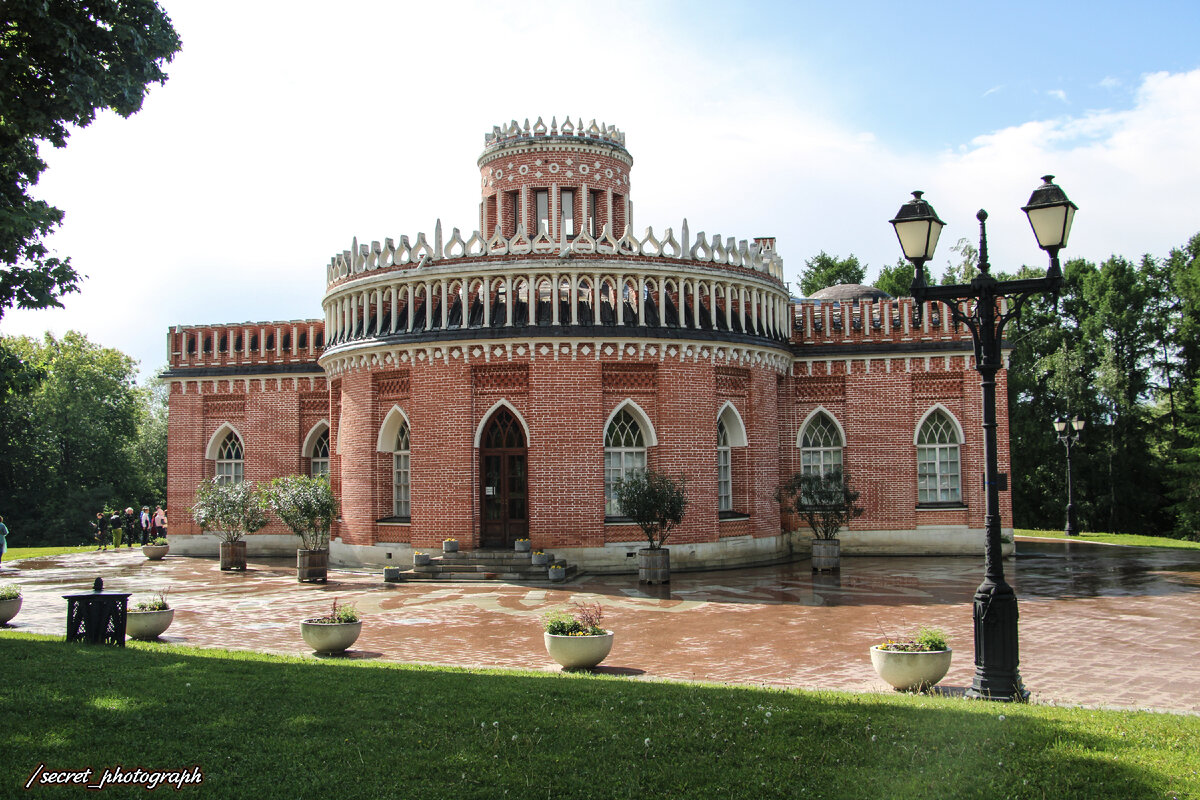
x=1100 y=625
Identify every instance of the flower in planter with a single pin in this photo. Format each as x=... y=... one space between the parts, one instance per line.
x=160 y=542
x=10 y=592
x=584 y=620
x=158 y=603
x=538 y=553
x=449 y=540
x=926 y=640
x=339 y=614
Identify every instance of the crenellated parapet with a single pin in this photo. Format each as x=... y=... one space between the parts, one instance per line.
x=424 y=250
x=247 y=347
x=514 y=132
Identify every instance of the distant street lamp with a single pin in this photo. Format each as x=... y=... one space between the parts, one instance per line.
x=918 y=228
x=1069 y=438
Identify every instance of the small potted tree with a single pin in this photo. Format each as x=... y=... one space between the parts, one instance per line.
x=10 y=602
x=656 y=502
x=306 y=505
x=914 y=664
x=575 y=639
x=231 y=510
x=827 y=503
x=149 y=619
x=334 y=632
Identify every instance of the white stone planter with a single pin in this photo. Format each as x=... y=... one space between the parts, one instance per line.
x=144 y=625
x=449 y=546
x=9 y=609
x=155 y=552
x=421 y=559
x=539 y=559
x=522 y=546
x=578 y=652
x=327 y=637
x=910 y=671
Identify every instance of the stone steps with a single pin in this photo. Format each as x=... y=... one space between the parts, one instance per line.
x=482 y=565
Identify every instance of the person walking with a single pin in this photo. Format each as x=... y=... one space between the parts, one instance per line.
x=130 y=523
x=160 y=522
x=114 y=525
x=101 y=528
x=3 y=539
x=144 y=521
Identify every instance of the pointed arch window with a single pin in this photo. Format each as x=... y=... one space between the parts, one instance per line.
x=401 y=475
x=229 y=460
x=624 y=452
x=939 y=474
x=821 y=446
x=724 y=469
x=319 y=458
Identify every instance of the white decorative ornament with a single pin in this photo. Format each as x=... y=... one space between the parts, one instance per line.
x=524 y=170
x=553 y=168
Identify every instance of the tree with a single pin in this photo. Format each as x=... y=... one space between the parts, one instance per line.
x=653 y=500
x=69 y=430
x=823 y=499
x=231 y=509
x=967 y=266
x=61 y=61
x=306 y=505
x=897 y=279
x=823 y=270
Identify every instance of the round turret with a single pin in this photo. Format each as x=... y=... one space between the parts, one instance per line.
x=554 y=182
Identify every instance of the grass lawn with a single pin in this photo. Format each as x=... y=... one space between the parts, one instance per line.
x=270 y=726
x=14 y=553
x=1115 y=538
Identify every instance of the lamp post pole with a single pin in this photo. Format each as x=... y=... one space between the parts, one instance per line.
x=978 y=305
x=1069 y=438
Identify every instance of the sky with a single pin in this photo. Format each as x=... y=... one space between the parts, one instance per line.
x=286 y=130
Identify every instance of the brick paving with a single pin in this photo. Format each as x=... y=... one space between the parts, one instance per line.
x=1100 y=626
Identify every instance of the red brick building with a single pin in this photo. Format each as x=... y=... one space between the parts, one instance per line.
x=491 y=387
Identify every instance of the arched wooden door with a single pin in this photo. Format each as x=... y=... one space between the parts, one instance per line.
x=503 y=482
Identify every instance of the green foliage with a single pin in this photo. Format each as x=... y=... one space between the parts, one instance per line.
x=926 y=640
x=72 y=423
x=340 y=613
x=655 y=501
x=10 y=591
x=60 y=63
x=160 y=542
x=584 y=620
x=967 y=266
x=823 y=500
x=231 y=510
x=306 y=505
x=897 y=279
x=824 y=270
x=157 y=603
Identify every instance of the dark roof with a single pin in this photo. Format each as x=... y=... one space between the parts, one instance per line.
x=850 y=292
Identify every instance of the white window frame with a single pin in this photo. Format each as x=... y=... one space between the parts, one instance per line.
x=622 y=458
x=318 y=464
x=939 y=458
x=402 y=474
x=823 y=456
x=724 y=469
x=230 y=467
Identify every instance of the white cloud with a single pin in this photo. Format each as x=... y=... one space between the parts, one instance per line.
x=278 y=140
x=1058 y=94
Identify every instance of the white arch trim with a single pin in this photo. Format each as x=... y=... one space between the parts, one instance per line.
x=813 y=415
x=735 y=429
x=934 y=408
x=311 y=439
x=214 y=443
x=386 y=443
x=639 y=414
x=487 y=417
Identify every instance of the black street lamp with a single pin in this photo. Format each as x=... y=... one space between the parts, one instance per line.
x=1069 y=438
x=918 y=227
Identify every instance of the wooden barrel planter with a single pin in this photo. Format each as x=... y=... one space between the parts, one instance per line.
x=826 y=554
x=312 y=566
x=233 y=555
x=654 y=566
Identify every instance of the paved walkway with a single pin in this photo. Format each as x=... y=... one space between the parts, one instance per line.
x=1100 y=626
